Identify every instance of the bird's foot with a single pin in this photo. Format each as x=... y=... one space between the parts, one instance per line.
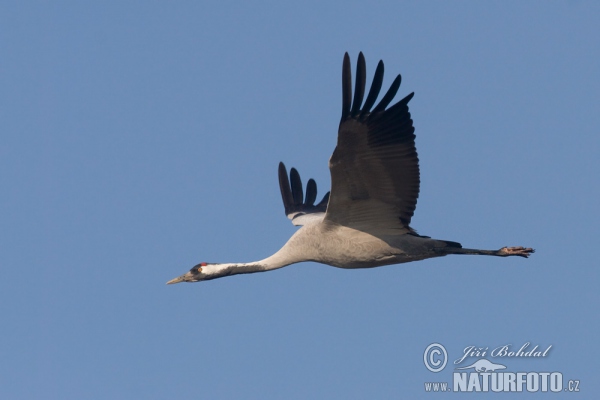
x=516 y=251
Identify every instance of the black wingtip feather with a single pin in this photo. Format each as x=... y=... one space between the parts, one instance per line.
x=375 y=89
x=284 y=187
x=296 y=182
x=359 y=85
x=324 y=201
x=346 y=86
x=311 y=192
x=407 y=98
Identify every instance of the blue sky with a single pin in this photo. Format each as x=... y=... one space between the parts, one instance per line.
x=140 y=138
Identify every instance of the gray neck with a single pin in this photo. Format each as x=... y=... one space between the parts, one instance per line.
x=277 y=260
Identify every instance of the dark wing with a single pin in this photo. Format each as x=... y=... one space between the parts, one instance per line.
x=374 y=168
x=298 y=208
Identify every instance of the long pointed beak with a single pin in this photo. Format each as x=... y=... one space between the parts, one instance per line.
x=176 y=280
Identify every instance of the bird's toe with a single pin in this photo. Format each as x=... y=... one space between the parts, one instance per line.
x=517 y=251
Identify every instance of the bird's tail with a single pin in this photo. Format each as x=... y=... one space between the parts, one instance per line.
x=452 y=244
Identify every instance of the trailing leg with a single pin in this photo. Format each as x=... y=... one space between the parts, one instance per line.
x=503 y=252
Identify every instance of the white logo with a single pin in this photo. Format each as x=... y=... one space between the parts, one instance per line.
x=484 y=365
x=488 y=376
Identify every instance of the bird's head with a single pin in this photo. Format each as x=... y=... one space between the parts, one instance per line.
x=200 y=272
x=207 y=271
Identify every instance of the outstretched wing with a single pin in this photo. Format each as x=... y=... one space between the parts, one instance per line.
x=374 y=168
x=298 y=208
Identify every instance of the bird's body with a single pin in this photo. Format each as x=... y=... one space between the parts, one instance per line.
x=344 y=247
x=364 y=221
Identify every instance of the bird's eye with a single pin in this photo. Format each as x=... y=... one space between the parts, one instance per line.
x=199 y=266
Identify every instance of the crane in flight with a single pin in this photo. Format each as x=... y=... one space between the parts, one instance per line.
x=364 y=221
